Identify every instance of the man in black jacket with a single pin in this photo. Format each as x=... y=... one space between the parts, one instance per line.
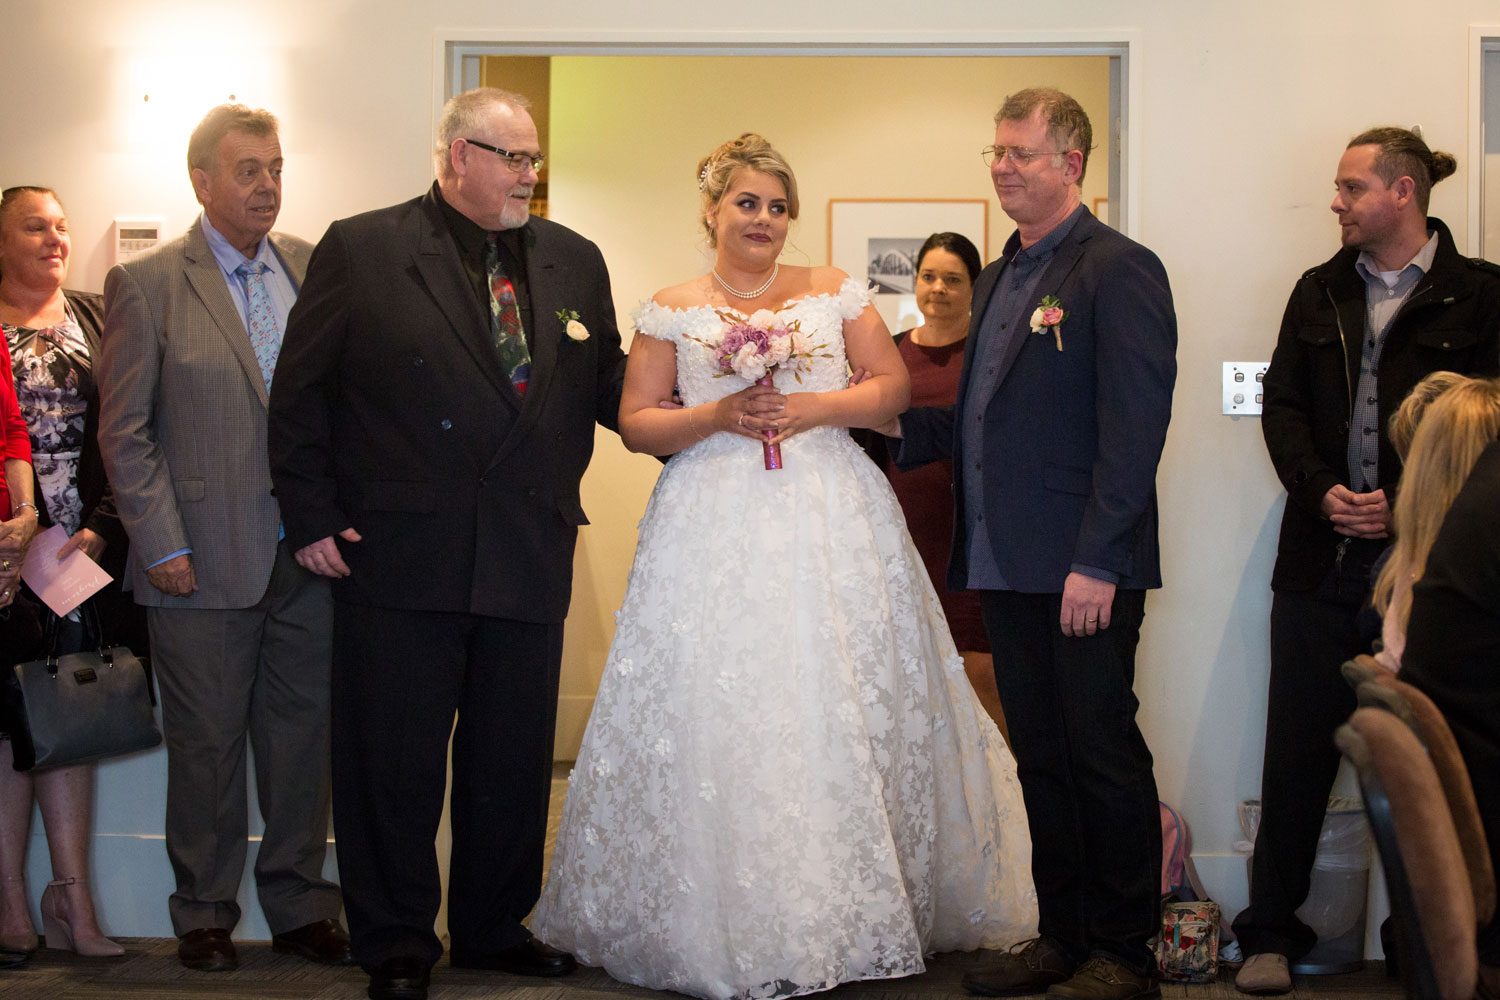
x=1396 y=303
x=434 y=410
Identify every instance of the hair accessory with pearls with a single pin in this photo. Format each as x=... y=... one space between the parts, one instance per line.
x=708 y=168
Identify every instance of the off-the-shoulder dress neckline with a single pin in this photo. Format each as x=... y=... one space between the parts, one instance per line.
x=785 y=305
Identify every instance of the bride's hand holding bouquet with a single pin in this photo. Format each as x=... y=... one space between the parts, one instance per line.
x=754 y=348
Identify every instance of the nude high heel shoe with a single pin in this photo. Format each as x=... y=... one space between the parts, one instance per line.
x=59 y=932
x=23 y=944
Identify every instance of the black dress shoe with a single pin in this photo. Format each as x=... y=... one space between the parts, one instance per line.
x=399 y=979
x=529 y=958
x=322 y=941
x=13 y=958
x=207 y=949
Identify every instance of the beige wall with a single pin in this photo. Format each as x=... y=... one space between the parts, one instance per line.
x=1242 y=110
x=624 y=171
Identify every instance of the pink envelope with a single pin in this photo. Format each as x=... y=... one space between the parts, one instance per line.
x=62 y=583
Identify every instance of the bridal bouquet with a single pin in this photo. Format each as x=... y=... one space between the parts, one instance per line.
x=754 y=348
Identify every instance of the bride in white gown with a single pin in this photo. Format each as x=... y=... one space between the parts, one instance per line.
x=787 y=782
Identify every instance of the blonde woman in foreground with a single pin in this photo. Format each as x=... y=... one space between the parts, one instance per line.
x=1456 y=426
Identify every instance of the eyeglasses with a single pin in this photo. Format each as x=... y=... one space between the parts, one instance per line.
x=1020 y=156
x=516 y=161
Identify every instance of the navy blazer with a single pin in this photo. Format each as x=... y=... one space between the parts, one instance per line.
x=391 y=413
x=1072 y=438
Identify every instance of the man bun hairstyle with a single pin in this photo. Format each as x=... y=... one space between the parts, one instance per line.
x=749 y=150
x=1402 y=152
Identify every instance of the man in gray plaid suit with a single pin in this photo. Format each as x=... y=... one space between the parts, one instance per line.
x=240 y=633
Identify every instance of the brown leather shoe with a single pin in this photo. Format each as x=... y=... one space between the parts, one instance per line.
x=1103 y=978
x=322 y=941
x=207 y=949
x=1028 y=968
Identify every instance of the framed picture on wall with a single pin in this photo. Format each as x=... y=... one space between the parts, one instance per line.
x=877 y=239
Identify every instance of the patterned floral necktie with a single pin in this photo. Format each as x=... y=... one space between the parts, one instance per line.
x=505 y=320
x=265 y=338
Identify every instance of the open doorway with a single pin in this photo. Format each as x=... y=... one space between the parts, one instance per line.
x=877 y=143
x=624 y=127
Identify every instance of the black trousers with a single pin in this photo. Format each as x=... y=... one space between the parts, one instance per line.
x=1085 y=773
x=399 y=677
x=1312 y=634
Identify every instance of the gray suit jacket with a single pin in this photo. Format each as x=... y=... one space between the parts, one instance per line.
x=183 y=422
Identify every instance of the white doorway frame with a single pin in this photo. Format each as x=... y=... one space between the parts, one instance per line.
x=1122 y=46
x=1482 y=39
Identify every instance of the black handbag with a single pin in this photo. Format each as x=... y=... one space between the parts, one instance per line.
x=79 y=707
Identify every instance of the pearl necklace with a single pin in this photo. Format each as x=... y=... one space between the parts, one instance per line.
x=754 y=293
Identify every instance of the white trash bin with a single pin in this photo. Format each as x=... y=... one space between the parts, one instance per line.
x=1336 y=897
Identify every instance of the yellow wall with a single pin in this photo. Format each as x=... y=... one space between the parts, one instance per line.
x=850 y=127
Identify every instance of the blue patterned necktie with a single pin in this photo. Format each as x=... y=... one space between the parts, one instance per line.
x=265 y=338
x=505 y=320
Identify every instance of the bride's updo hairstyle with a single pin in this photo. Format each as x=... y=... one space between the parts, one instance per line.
x=749 y=150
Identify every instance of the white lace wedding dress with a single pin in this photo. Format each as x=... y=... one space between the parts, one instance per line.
x=787 y=782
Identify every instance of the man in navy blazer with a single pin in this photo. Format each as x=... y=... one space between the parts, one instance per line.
x=433 y=472
x=1061 y=415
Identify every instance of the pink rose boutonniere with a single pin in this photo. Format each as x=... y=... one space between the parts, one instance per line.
x=1049 y=315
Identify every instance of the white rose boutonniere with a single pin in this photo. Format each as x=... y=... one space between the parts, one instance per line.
x=572 y=327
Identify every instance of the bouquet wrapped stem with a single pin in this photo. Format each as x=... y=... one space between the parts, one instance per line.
x=754 y=348
x=772 y=451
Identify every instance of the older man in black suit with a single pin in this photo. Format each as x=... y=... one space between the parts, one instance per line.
x=433 y=414
x=1061 y=416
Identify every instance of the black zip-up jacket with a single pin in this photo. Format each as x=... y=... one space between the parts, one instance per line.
x=1451 y=321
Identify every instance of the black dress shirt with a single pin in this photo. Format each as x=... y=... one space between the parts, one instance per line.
x=471 y=240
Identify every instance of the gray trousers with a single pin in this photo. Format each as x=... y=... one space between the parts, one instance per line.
x=261 y=672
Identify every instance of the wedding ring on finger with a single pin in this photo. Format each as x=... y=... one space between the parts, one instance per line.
x=742 y=420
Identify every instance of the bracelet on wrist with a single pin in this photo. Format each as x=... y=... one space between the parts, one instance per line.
x=34 y=512
x=693 y=425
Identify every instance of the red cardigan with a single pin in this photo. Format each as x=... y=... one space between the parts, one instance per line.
x=14 y=440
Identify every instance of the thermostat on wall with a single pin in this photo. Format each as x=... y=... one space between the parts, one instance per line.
x=134 y=237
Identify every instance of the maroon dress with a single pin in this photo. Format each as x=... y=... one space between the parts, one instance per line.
x=926 y=493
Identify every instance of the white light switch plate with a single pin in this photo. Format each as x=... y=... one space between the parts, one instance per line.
x=1244 y=387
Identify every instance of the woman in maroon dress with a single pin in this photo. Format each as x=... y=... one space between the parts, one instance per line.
x=947 y=265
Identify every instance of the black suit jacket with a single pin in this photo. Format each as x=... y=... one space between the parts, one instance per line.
x=390 y=413
x=1451 y=321
x=1072 y=437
